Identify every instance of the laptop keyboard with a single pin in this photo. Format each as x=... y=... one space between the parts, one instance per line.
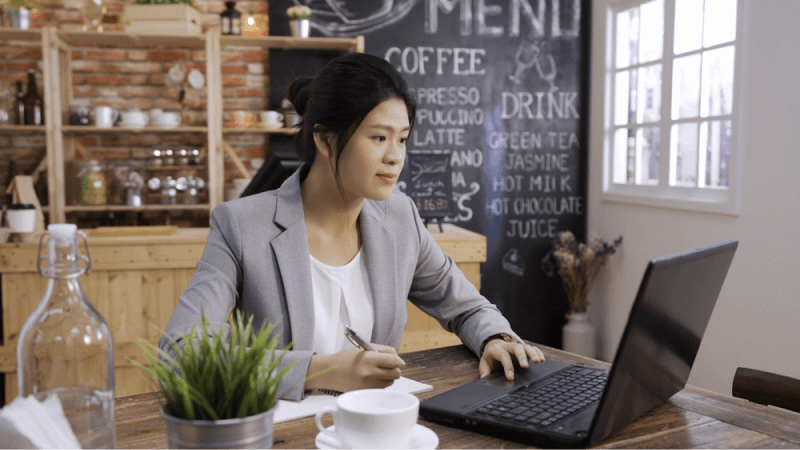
x=571 y=391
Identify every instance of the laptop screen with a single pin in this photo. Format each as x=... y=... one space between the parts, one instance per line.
x=658 y=347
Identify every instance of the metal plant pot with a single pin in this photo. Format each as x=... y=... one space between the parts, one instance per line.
x=247 y=432
x=20 y=18
x=300 y=28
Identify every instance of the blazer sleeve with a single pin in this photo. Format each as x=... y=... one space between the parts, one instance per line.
x=214 y=290
x=441 y=290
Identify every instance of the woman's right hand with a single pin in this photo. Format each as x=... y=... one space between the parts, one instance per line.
x=355 y=369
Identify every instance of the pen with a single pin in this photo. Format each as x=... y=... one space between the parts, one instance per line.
x=357 y=340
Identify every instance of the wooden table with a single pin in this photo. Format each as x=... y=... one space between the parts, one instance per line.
x=691 y=418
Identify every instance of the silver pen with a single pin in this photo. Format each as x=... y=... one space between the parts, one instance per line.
x=357 y=340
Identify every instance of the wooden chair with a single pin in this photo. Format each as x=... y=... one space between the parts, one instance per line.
x=767 y=388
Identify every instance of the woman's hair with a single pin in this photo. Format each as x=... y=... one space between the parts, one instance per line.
x=338 y=98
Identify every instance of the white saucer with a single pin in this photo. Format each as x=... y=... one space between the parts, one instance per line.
x=421 y=438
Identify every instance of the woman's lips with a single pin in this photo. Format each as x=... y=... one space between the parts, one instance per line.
x=388 y=178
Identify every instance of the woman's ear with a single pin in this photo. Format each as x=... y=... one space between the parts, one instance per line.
x=321 y=140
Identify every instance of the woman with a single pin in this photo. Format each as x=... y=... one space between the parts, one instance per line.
x=333 y=247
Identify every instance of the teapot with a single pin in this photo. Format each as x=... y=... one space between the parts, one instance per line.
x=79 y=115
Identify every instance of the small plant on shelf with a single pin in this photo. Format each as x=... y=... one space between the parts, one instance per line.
x=298 y=12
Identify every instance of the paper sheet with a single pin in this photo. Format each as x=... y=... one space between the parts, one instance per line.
x=290 y=410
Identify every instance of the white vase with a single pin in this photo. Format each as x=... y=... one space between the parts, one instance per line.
x=300 y=28
x=579 y=336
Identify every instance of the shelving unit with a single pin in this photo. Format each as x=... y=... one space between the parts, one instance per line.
x=61 y=137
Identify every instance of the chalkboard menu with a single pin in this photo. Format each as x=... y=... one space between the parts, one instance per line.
x=502 y=87
x=429 y=183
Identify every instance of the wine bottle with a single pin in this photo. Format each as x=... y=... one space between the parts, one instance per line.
x=19 y=105
x=34 y=105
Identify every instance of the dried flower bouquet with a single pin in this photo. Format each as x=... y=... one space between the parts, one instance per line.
x=578 y=264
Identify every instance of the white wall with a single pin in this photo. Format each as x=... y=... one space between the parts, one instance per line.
x=756 y=322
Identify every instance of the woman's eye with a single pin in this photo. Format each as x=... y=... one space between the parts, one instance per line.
x=403 y=140
x=380 y=138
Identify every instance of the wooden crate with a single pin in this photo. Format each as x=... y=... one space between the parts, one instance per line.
x=174 y=18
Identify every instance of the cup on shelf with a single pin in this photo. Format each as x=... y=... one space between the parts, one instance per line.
x=21 y=217
x=105 y=116
x=134 y=118
x=272 y=119
x=242 y=119
x=167 y=119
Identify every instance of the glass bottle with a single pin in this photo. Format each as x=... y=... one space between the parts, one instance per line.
x=19 y=105
x=34 y=105
x=65 y=347
x=230 y=20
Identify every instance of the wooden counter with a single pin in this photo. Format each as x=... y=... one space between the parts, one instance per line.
x=135 y=283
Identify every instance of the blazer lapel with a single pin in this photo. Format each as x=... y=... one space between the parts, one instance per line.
x=380 y=252
x=292 y=255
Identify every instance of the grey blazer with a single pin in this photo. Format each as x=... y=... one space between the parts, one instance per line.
x=257 y=259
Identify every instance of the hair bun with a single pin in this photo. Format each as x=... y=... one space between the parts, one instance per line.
x=298 y=93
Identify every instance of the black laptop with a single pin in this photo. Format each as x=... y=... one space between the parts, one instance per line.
x=555 y=404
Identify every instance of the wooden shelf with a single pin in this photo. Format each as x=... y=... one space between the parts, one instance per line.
x=8 y=33
x=116 y=208
x=355 y=44
x=131 y=40
x=63 y=140
x=93 y=129
x=23 y=128
x=262 y=130
x=173 y=168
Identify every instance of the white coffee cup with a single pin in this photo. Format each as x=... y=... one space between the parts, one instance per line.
x=272 y=118
x=372 y=418
x=22 y=217
x=105 y=116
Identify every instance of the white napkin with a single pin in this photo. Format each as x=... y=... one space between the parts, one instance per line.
x=28 y=423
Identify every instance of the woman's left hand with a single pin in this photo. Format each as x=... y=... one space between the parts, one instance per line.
x=499 y=352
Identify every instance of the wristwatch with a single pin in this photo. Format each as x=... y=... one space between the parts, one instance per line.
x=504 y=336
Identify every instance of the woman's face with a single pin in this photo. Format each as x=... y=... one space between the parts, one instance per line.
x=373 y=158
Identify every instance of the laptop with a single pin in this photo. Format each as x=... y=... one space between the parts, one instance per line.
x=556 y=404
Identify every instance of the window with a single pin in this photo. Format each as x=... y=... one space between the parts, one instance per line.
x=671 y=94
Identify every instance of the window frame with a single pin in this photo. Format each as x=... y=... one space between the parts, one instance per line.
x=700 y=199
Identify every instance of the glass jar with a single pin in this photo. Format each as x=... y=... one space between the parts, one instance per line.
x=93 y=184
x=65 y=347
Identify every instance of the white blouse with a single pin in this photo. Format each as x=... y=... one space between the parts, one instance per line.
x=342 y=296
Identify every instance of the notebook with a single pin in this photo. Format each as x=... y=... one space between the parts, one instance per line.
x=555 y=404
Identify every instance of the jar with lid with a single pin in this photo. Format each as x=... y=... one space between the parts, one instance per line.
x=65 y=348
x=169 y=157
x=93 y=183
x=156 y=161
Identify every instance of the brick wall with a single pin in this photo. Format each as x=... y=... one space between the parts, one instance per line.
x=135 y=78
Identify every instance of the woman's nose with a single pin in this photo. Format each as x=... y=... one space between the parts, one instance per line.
x=395 y=154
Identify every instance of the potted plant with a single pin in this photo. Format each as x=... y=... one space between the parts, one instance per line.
x=219 y=394
x=298 y=20
x=18 y=12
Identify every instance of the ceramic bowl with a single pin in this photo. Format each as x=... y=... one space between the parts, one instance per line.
x=168 y=120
